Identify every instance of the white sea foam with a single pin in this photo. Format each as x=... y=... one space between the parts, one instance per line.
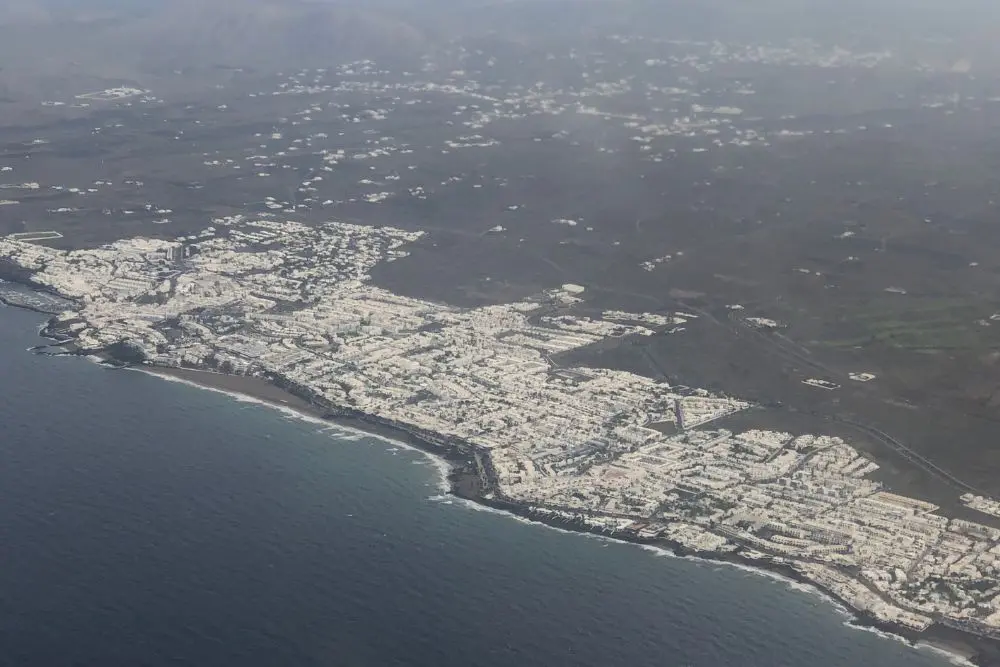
x=340 y=431
x=786 y=581
x=851 y=618
x=953 y=658
x=478 y=507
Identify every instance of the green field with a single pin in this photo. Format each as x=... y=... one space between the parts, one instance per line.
x=918 y=323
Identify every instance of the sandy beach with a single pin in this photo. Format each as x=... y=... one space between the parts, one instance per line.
x=252 y=387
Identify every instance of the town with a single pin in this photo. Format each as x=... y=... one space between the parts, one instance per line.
x=258 y=295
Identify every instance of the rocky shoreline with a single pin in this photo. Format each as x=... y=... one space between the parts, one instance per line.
x=470 y=479
x=978 y=650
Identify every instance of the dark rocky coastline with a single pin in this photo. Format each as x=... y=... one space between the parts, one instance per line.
x=471 y=479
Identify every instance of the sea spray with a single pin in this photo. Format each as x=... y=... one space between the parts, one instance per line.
x=339 y=431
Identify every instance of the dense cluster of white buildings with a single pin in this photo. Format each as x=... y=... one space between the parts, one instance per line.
x=617 y=450
x=264 y=296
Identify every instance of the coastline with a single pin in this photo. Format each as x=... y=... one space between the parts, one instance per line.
x=959 y=647
x=464 y=478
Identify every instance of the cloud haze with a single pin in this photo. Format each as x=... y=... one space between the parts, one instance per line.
x=131 y=37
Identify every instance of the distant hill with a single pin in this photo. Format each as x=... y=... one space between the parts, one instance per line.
x=155 y=35
x=133 y=38
x=252 y=32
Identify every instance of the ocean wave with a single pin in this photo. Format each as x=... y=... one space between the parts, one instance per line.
x=339 y=431
x=950 y=656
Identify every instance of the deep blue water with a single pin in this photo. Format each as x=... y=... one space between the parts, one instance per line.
x=145 y=522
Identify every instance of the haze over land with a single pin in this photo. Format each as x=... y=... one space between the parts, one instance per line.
x=769 y=215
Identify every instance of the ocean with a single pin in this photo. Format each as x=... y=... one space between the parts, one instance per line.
x=149 y=523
